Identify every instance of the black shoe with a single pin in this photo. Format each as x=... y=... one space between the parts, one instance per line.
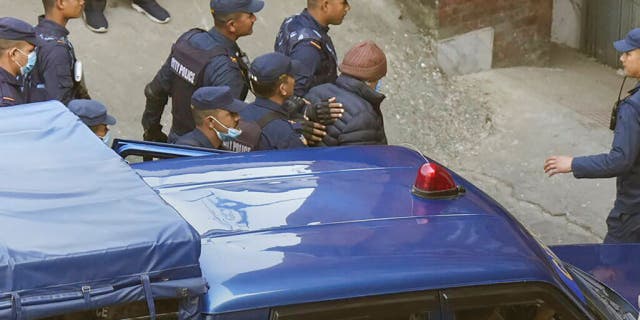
x=94 y=16
x=152 y=10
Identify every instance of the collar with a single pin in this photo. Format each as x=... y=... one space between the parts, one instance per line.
x=361 y=89
x=199 y=136
x=9 y=78
x=268 y=104
x=634 y=90
x=222 y=40
x=51 y=28
x=305 y=13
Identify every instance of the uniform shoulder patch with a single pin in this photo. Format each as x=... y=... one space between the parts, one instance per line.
x=9 y=99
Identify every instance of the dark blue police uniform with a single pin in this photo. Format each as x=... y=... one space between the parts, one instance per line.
x=622 y=162
x=302 y=38
x=362 y=121
x=54 y=75
x=198 y=59
x=195 y=138
x=210 y=98
x=10 y=88
x=279 y=133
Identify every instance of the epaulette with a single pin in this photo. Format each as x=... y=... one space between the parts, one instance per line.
x=315 y=44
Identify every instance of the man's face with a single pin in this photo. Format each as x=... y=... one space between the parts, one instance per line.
x=631 y=62
x=337 y=10
x=244 y=24
x=226 y=118
x=20 y=55
x=100 y=130
x=288 y=85
x=73 y=8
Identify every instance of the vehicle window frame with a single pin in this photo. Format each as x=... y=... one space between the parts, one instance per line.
x=444 y=299
x=302 y=311
x=536 y=290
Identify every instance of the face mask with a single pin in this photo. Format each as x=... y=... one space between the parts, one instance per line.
x=107 y=139
x=31 y=62
x=378 y=85
x=230 y=135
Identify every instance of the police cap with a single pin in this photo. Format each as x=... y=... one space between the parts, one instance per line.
x=233 y=6
x=208 y=98
x=630 y=42
x=91 y=112
x=16 y=29
x=269 y=67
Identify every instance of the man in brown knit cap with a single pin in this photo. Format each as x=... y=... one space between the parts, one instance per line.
x=356 y=88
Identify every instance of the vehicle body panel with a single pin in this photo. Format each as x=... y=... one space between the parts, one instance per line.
x=330 y=223
x=78 y=228
x=616 y=265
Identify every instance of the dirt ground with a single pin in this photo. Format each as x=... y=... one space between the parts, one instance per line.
x=495 y=128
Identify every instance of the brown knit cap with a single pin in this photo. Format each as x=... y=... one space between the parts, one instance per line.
x=365 y=61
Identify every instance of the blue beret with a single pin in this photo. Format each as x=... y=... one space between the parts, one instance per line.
x=630 y=42
x=232 y=6
x=269 y=67
x=91 y=112
x=15 y=29
x=208 y=98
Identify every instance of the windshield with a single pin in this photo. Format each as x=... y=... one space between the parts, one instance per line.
x=603 y=302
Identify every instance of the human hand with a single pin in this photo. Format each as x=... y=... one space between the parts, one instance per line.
x=325 y=112
x=313 y=132
x=557 y=164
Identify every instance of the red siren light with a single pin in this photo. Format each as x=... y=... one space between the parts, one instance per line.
x=435 y=182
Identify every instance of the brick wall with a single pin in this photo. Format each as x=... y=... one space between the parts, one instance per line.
x=522 y=27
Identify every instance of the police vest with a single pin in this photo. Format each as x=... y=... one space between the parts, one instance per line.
x=188 y=63
x=292 y=33
x=249 y=140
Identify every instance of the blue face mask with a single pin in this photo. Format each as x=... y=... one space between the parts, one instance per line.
x=378 y=85
x=31 y=62
x=230 y=135
x=107 y=139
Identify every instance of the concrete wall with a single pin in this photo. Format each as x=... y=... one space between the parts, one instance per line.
x=566 y=28
x=522 y=27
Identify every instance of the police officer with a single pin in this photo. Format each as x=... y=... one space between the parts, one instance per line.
x=94 y=114
x=623 y=160
x=17 y=57
x=201 y=58
x=272 y=82
x=356 y=87
x=305 y=38
x=215 y=113
x=58 y=76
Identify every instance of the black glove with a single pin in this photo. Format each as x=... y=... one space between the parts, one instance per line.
x=294 y=106
x=313 y=132
x=324 y=112
x=155 y=134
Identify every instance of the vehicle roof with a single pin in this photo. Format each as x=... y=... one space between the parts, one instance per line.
x=75 y=215
x=298 y=226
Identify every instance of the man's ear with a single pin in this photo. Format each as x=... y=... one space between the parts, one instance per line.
x=282 y=89
x=324 y=5
x=231 y=26
x=60 y=4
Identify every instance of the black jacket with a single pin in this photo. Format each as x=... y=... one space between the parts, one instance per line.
x=361 y=122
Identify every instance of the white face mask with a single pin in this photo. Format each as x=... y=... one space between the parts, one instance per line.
x=31 y=62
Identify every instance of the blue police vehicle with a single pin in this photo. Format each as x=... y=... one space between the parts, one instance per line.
x=367 y=232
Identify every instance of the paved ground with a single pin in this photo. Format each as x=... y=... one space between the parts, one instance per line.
x=495 y=128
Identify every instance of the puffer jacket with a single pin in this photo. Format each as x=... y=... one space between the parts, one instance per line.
x=362 y=122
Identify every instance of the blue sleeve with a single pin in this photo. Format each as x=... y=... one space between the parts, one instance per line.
x=56 y=74
x=157 y=94
x=310 y=58
x=221 y=71
x=280 y=135
x=624 y=150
